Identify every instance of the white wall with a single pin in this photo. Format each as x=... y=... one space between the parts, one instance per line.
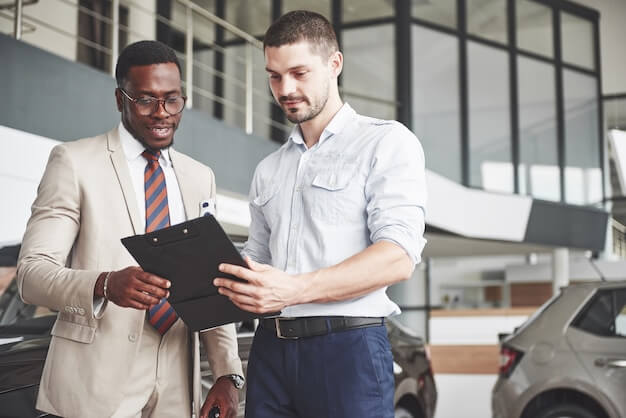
x=21 y=168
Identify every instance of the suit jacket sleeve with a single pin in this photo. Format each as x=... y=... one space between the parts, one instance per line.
x=42 y=276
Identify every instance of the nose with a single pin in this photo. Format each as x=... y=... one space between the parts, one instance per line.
x=287 y=87
x=160 y=112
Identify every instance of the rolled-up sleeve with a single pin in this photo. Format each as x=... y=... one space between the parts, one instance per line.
x=257 y=245
x=396 y=192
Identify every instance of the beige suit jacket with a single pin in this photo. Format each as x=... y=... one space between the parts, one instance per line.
x=85 y=204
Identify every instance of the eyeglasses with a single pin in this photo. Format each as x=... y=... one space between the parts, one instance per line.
x=148 y=105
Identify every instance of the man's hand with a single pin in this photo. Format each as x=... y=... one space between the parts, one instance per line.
x=134 y=288
x=225 y=396
x=267 y=289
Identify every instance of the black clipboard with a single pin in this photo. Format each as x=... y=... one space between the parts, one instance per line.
x=188 y=255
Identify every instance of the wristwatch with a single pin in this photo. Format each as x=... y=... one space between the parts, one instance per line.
x=237 y=380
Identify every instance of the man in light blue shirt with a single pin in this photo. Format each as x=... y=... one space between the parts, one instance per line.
x=337 y=216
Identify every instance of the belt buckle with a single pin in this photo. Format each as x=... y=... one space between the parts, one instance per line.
x=278 y=334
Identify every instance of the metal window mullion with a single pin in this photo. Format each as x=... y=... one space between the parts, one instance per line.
x=115 y=33
x=560 y=98
x=514 y=94
x=189 y=57
x=249 y=108
x=463 y=93
x=403 y=62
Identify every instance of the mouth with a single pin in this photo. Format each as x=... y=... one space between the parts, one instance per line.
x=161 y=131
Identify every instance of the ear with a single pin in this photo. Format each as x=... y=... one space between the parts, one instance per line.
x=335 y=63
x=119 y=100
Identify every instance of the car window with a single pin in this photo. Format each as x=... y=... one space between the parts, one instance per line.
x=620 y=320
x=605 y=315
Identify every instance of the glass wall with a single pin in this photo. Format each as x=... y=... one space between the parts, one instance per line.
x=435 y=99
x=538 y=167
x=534 y=27
x=490 y=161
x=369 y=72
x=577 y=39
x=442 y=12
x=583 y=175
x=487 y=19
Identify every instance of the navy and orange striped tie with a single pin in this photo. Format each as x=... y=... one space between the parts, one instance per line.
x=161 y=315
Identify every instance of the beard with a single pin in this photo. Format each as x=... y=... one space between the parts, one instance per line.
x=315 y=107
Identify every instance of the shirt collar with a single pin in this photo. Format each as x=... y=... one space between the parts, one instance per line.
x=335 y=126
x=133 y=148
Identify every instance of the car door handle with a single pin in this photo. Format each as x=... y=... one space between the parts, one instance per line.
x=612 y=363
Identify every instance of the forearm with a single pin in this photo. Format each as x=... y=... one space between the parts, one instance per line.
x=222 y=351
x=381 y=264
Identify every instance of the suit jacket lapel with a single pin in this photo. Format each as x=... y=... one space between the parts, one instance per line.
x=185 y=184
x=123 y=176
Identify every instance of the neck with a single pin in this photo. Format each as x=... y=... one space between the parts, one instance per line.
x=312 y=129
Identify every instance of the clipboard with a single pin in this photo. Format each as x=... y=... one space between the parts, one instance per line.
x=188 y=255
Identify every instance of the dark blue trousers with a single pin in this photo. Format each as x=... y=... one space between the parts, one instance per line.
x=340 y=375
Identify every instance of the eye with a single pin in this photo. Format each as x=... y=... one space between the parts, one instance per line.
x=172 y=99
x=301 y=74
x=144 y=101
x=274 y=77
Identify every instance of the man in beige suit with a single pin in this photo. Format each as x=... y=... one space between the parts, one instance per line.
x=106 y=358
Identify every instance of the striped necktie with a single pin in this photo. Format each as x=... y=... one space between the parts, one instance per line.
x=161 y=315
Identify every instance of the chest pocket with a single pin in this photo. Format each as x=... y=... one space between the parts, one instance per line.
x=336 y=196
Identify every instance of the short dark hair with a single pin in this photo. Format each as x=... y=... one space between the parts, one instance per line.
x=302 y=25
x=143 y=53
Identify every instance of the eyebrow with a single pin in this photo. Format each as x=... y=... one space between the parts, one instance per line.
x=151 y=93
x=297 y=67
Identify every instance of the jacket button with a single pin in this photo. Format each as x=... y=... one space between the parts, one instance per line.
x=132 y=337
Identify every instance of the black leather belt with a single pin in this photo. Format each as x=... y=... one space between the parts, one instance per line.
x=311 y=326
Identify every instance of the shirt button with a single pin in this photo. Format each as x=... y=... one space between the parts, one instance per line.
x=132 y=337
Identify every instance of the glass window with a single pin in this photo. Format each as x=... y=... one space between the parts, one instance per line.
x=435 y=98
x=322 y=7
x=489 y=119
x=577 y=40
x=583 y=177
x=436 y=11
x=487 y=19
x=355 y=10
x=605 y=315
x=539 y=163
x=369 y=74
x=534 y=27
x=253 y=17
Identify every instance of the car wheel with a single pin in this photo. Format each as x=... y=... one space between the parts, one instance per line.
x=566 y=411
x=400 y=412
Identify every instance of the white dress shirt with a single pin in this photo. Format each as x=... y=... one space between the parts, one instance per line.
x=363 y=182
x=137 y=165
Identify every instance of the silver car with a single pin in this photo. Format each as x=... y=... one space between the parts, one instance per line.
x=568 y=359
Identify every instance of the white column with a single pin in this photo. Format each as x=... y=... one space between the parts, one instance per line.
x=560 y=269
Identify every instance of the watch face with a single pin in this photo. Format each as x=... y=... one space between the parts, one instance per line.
x=237 y=380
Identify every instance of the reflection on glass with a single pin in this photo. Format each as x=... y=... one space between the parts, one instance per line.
x=539 y=163
x=534 y=27
x=322 y=7
x=369 y=70
x=583 y=177
x=436 y=99
x=436 y=11
x=577 y=40
x=355 y=10
x=489 y=119
x=234 y=102
x=487 y=19
x=252 y=17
